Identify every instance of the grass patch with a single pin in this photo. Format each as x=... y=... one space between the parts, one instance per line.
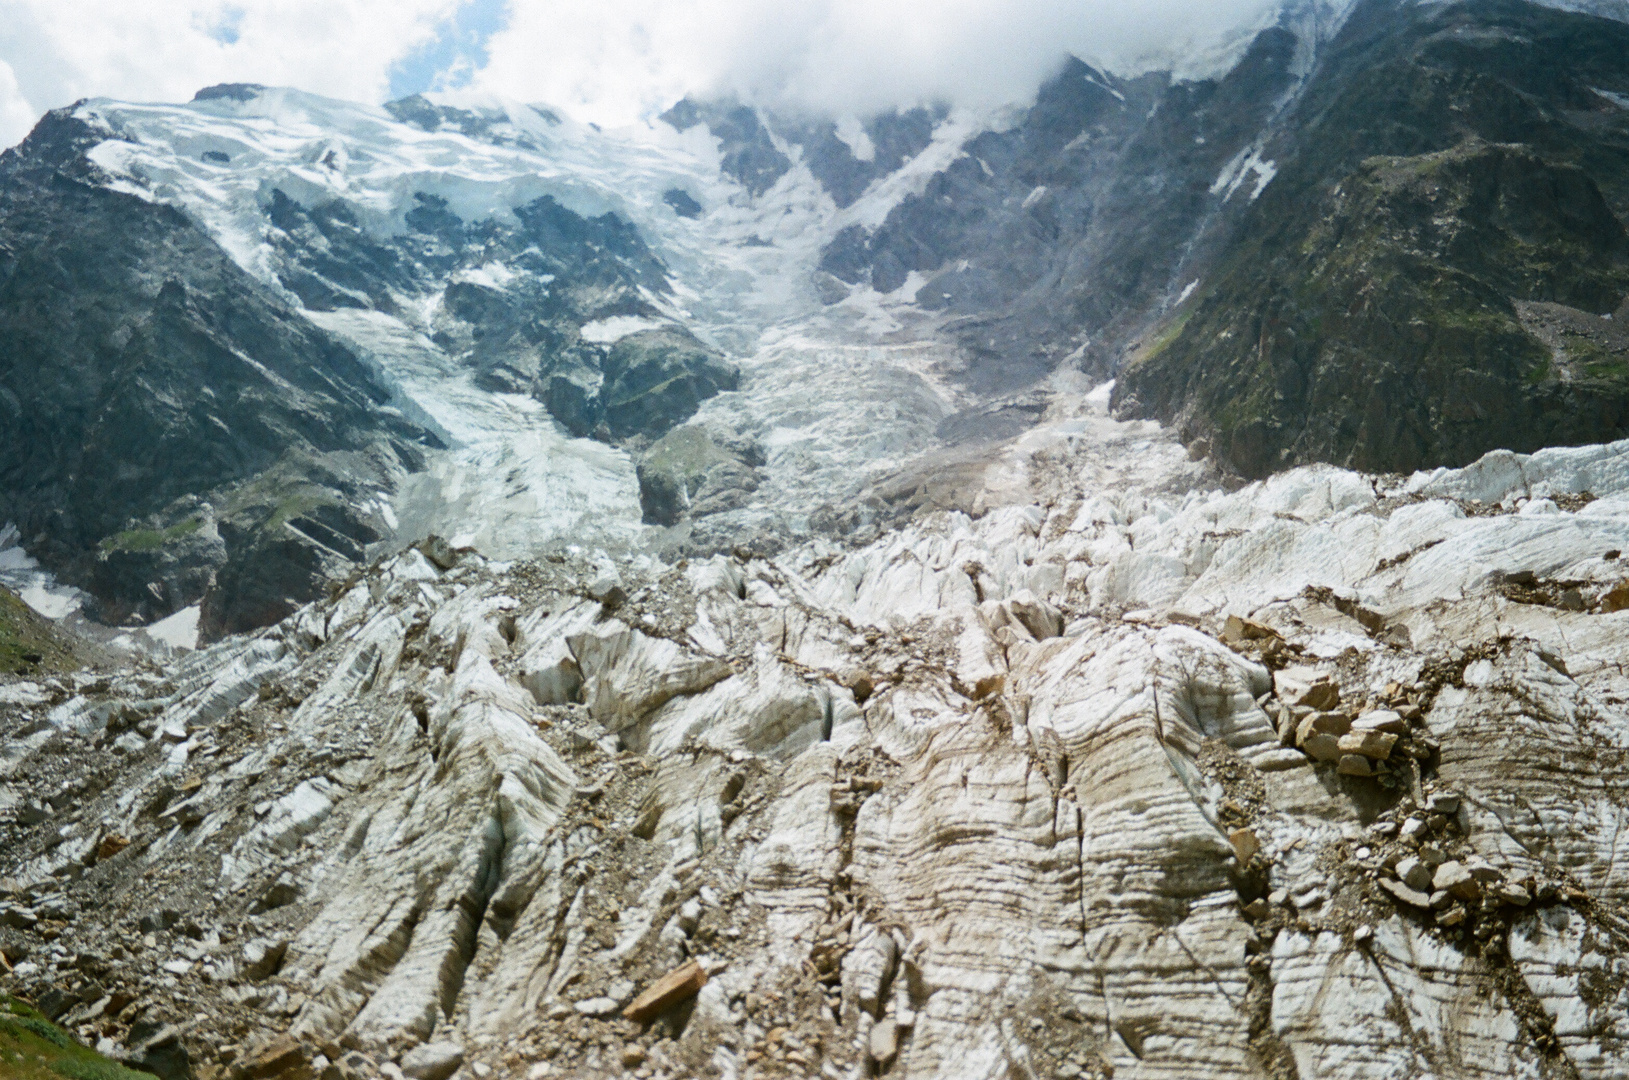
x=1607 y=369
x=149 y=539
x=28 y=641
x=33 y=1048
x=1167 y=334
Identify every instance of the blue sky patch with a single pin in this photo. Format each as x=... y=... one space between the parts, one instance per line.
x=227 y=28
x=455 y=55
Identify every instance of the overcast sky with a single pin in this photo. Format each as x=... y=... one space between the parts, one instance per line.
x=612 y=61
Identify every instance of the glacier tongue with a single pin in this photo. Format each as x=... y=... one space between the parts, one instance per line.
x=512 y=482
x=1037 y=791
x=837 y=396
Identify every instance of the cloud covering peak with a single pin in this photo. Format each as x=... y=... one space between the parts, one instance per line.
x=613 y=61
x=626 y=58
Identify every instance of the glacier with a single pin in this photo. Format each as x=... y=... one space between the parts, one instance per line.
x=740 y=275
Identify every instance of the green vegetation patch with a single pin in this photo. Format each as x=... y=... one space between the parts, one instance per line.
x=33 y=1048
x=279 y=495
x=150 y=539
x=1167 y=335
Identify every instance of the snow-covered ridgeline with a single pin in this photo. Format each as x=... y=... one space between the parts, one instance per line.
x=740 y=279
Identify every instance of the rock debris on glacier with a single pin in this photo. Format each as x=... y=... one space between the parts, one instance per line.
x=1318 y=777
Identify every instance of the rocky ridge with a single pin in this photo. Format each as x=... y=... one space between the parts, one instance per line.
x=1445 y=169
x=1128 y=775
x=208 y=434
x=163 y=416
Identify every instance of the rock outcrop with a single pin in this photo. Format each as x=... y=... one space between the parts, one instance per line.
x=143 y=374
x=1431 y=273
x=687 y=474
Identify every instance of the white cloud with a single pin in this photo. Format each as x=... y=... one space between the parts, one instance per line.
x=16 y=113
x=164 y=50
x=619 y=59
x=606 y=60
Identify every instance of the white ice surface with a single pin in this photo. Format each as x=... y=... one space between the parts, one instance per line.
x=617 y=327
x=22 y=574
x=1245 y=164
x=179 y=631
x=836 y=395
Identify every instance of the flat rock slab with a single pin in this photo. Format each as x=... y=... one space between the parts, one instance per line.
x=1386 y=720
x=1370 y=744
x=432 y=1061
x=1409 y=896
x=884 y=1042
x=671 y=989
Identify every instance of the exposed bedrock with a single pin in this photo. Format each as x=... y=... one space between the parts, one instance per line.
x=1432 y=272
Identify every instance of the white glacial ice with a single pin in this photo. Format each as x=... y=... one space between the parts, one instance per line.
x=837 y=396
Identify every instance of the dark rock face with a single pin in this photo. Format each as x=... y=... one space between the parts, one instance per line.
x=682 y=202
x=487 y=125
x=656 y=379
x=1066 y=232
x=1374 y=313
x=894 y=137
x=750 y=154
x=229 y=92
x=525 y=337
x=1417 y=285
x=146 y=573
x=140 y=369
x=751 y=157
x=687 y=474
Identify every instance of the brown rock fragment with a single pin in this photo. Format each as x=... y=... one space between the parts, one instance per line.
x=281 y=1059
x=1236 y=630
x=1322 y=723
x=111 y=845
x=861 y=685
x=1354 y=765
x=1407 y=895
x=1454 y=878
x=1323 y=694
x=1322 y=747
x=676 y=986
x=1374 y=745
x=1381 y=720
x=1245 y=844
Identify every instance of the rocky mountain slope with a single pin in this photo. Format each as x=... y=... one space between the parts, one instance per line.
x=1449 y=167
x=200 y=435
x=144 y=373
